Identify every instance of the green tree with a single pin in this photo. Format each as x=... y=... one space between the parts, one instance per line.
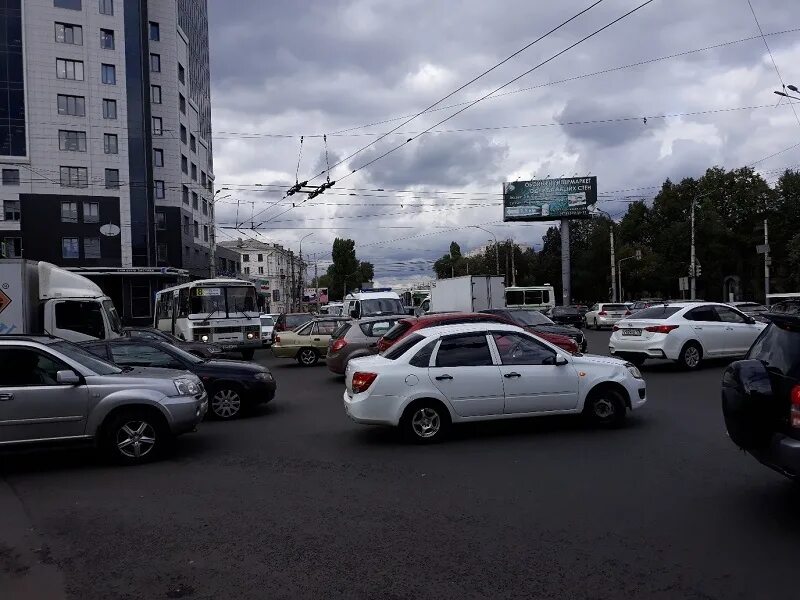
x=344 y=272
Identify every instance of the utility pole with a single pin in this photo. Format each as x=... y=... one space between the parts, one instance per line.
x=316 y=283
x=566 y=274
x=507 y=242
x=766 y=263
x=613 y=264
x=692 y=260
x=513 y=267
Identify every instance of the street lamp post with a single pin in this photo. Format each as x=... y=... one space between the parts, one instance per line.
x=496 y=248
x=619 y=274
x=613 y=256
x=693 y=254
x=302 y=267
x=213 y=266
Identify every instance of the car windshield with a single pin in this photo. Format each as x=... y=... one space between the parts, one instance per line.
x=241 y=299
x=190 y=358
x=267 y=321
x=381 y=306
x=529 y=317
x=113 y=317
x=656 y=312
x=751 y=308
x=778 y=347
x=86 y=358
x=402 y=346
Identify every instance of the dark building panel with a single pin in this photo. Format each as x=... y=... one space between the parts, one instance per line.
x=171 y=236
x=12 y=80
x=44 y=230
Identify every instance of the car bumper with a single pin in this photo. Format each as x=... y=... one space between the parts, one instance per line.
x=185 y=412
x=606 y=321
x=371 y=410
x=658 y=346
x=336 y=363
x=782 y=455
x=259 y=392
x=239 y=346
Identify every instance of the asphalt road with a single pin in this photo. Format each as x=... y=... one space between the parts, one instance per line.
x=298 y=502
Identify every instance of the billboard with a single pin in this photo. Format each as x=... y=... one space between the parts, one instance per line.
x=549 y=199
x=310 y=295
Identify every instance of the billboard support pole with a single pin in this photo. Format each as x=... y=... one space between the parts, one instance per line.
x=566 y=275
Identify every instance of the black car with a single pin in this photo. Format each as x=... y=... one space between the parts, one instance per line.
x=233 y=385
x=566 y=315
x=761 y=397
x=786 y=307
x=199 y=349
x=534 y=320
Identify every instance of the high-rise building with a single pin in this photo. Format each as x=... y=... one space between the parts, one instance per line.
x=105 y=141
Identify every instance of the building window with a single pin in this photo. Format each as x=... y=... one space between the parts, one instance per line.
x=110 y=143
x=194 y=200
x=91 y=247
x=155 y=31
x=203 y=180
x=109 y=109
x=185 y=194
x=71 y=105
x=181 y=73
x=158 y=157
x=184 y=164
x=161 y=220
x=247 y=270
x=260 y=270
x=161 y=252
x=182 y=103
x=69 y=248
x=10 y=176
x=186 y=226
x=205 y=233
x=74 y=177
x=11 y=210
x=70 y=4
x=194 y=172
x=158 y=126
x=193 y=143
x=155 y=94
x=13 y=247
x=106 y=7
x=72 y=141
x=196 y=229
x=205 y=206
x=69 y=34
x=160 y=190
x=69 y=212
x=155 y=63
x=112 y=179
x=183 y=134
x=69 y=69
x=107 y=39
x=91 y=212
x=109 y=74
x=245 y=258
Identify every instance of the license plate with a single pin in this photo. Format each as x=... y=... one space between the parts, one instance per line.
x=228 y=347
x=631 y=332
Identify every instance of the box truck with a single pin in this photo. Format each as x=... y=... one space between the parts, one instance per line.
x=41 y=298
x=467 y=294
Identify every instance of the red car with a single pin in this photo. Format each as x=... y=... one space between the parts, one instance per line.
x=405 y=326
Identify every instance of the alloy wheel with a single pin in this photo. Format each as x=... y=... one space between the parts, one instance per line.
x=426 y=422
x=226 y=403
x=308 y=357
x=691 y=357
x=603 y=408
x=136 y=439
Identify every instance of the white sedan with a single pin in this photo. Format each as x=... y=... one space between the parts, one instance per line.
x=481 y=371
x=605 y=314
x=684 y=332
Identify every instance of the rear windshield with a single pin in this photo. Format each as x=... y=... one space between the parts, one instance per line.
x=614 y=307
x=293 y=321
x=565 y=310
x=402 y=346
x=529 y=317
x=778 y=347
x=656 y=312
x=343 y=328
x=398 y=330
x=377 y=328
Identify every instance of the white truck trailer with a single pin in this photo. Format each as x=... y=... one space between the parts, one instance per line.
x=41 y=298
x=467 y=294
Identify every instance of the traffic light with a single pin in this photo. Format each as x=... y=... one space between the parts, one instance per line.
x=698 y=270
x=691 y=271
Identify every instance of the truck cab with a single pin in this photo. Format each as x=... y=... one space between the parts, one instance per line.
x=372 y=303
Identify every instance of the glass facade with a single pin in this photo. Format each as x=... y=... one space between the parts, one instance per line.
x=12 y=82
x=193 y=19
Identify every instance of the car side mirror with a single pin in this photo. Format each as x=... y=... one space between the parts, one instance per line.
x=751 y=321
x=561 y=361
x=67 y=377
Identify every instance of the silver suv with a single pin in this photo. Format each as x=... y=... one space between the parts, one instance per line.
x=53 y=390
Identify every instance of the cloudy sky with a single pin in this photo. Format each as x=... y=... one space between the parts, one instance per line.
x=352 y=69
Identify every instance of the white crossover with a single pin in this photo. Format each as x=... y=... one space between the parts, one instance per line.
x=480 y=371
x=605 y=314
x=684 y=332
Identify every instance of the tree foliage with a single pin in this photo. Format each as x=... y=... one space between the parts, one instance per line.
x=345 y=272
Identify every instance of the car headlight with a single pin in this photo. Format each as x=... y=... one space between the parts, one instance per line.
x=204 y=338
x=263 y=376
x=187 y=387
x=250 y=336
x=634 y=371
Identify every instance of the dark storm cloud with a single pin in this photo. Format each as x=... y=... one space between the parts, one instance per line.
x=604 y=130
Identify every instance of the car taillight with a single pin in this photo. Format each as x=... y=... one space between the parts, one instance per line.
x=362 y=381
x=795 y=410
x=615 y=328
x=602 y=313
x=277 y=339
x=660 y=328
x=338 y=345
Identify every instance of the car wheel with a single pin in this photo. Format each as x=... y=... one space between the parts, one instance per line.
x=307 y=357
x=226 y=403
x=425 y=422
x=596 y=326
x=248 y=354
x=135 y=436
x=691 y=356
x=636 y=359
x=605 y=407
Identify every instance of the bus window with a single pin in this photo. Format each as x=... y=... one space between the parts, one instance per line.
x=533 y=297
x=545 y=296
x=183 y=302
x=515 y=297
x=241 y=299
x=206 y=301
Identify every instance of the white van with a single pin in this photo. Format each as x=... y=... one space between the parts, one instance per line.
x=372 y=303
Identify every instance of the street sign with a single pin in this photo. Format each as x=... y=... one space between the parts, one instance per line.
x=549 y=199
x=4 y=301
x=768 y=262
x=683 y=283
x=762 y=248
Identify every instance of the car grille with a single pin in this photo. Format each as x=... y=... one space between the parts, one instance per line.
x=227 y=329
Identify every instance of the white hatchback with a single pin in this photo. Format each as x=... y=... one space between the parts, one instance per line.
x=481 y=371
x=684 y=332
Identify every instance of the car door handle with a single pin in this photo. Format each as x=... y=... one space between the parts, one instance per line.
x=511 y=375
x=6 y=397
x=698 y=328
x=443 y=377
x=316 y=339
